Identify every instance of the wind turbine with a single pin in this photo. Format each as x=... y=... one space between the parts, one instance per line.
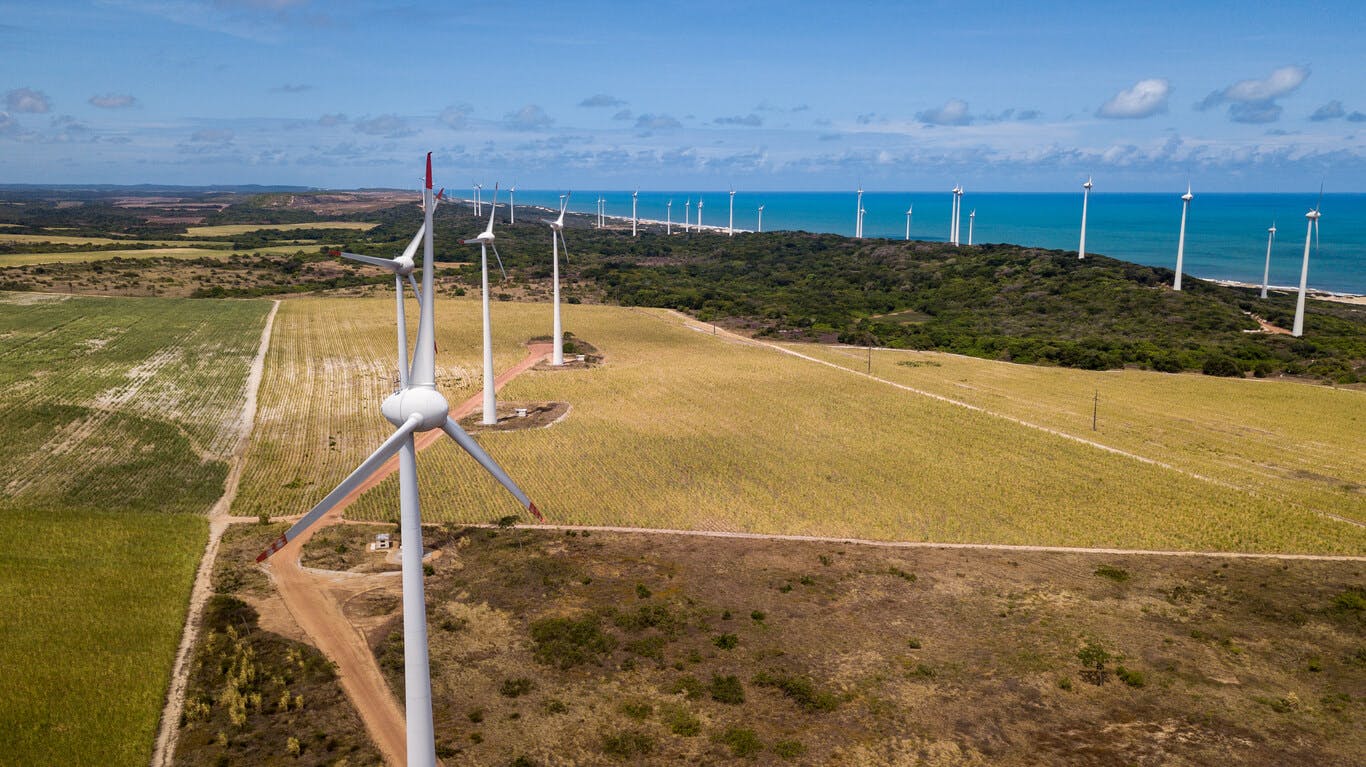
x=908 y=222
x=669 y=217
x=478 y=205
x=512 y=204
x=634 y=195
x=1311 y=230
x=730 y=224
x=858 y=214
x=1181 y=243
x=953 y=217
x=699 y=214
x=601 y=208
x=958 y=219
x=485 y=241
x=557 y=237
x=1266 y=274
x=761 y=219
x=1085 y=195
x=687 y=214
x=971 y=216
x=416 y=407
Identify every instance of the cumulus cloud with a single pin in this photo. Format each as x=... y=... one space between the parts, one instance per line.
x=602 y=100
x=456 y=116
x=750 y=120
x=27 y=100
x=291 y=88
x=657 y=122
x=330 y=120
x=113 y=101
x=388 y=126
x=1254 y=101
x=1356 y=117
x=1145 y=99
x=953 y=112
x=1330 y=111
x=529 y=117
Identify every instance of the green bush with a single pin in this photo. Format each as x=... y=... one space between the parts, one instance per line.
x=515 y=688
x=789 y=749
x=569 y=642
x=800 y=689
x=1116 y=574
x=1220 y=365
x=742 y=742
x=627 y=744
x=726 y=641
x=1131 y=678
x=726 y=689
x=681 y=721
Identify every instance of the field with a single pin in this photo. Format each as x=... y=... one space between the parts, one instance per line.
x=1300 y=444
x=19 y=259
x=56 y=239
x=228 y=230
x=118 y=416
x=679 y=429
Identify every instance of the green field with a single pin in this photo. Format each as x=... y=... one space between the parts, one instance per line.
x=228 y=230
x=1302 y=444
x=684 y=430
x=20 y=259
x=56 y=239
x=119 y=417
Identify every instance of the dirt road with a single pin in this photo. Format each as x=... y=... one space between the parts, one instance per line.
x=315 y=606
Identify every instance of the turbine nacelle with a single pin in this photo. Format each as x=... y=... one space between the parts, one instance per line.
x=427 y=404
x=1088 y=183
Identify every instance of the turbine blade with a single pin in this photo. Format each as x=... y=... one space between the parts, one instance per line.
x=493 y=208
x=387 y=263
x=465 y=441
x=417 y=292
x=564 y=247
x=411 y=250
x=500 y=261
x=352 y=481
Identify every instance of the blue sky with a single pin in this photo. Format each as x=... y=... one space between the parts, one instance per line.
x=1238 y=96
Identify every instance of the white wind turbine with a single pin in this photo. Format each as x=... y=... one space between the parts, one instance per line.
x=512 y=203
x=971 y=216
x=858 y=214
x=1266 y=274
x=1181 y=243
x=634 y=196
x=687 y=214
x=730 y=224
x=669 y=217
x=601 y=209
x=908 y=222
x=478 y=204
x=699 y=214
x=485 y=241
x=1085 y=196
x=1312 y=230
x=415 y=407
x=958 y=218
x=953 y=217
x=761 y=219
x=556 y=238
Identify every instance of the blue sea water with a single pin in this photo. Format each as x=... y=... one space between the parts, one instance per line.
x=1225 y=233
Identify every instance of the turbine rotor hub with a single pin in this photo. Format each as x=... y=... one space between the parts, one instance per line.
x=423 y=401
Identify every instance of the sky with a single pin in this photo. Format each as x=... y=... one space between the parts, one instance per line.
x=795 y=95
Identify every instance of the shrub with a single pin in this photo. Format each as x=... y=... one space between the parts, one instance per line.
x=681 y=721
x=742 y=742
x=642 y=592
x=1116 y=574
x=789 y=749
x=1220 y=365
x=568 y=642
x=1131 y=678
x=727 y=689
x=1353 y=600
x=913 y=643
x=726 y=641
x=627 y=744
x=476 y=715
x=800 y=689
x=637 y=709
x=757 y=616
x=689 y=685
x=515 y=688
x=1093 y=658
x=648 y=647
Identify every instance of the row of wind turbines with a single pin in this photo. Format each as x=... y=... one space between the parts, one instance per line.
x=1310 y=237
x=416 y=406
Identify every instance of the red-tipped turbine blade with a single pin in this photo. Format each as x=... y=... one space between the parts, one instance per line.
x=429 y=170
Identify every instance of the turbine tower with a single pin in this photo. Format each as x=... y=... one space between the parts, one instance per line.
x=953 y=218
x=1085 y=195
x=958 y=217
x=1181 y=243
x=485 y=241
x=761 y=219
x=1266 y=274
x=634 y=196
x=971 y=216
x=478 y=204
x=669 y=217
x=699 y=214
x=858 y=214
x=687 y=214
x=908 y=222
x=1312 y=230
x=730 y=224
x=557 y=237
x=416 y=407
x=512 y=204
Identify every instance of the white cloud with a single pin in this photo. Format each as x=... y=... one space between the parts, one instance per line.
x=1145 y=99
x=657 y=122
x=953 y=112
x=113 y=101
x=529 y=117
x=1254 y=101
x=389 y=126
x=456 y=116
x=602 y=100
x=27 y=100
x=1330 y=111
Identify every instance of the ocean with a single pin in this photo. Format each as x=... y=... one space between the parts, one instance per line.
x=1225 y=233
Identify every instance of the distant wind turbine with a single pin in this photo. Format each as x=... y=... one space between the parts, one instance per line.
x=1181 y=243
x=1311 y=231
x=687 y=215
x=512 y=204
x=1266 y=274
x=730 y=224
x=971 y=216
x=478 y=202
x=1085 y=196
x=858 y=214
x=556 y=238
x=761 y=219
x=485 y=241
x=416 y=407
x=634 y=196
x=699 y=214
x=669 y=217
x=908 y=222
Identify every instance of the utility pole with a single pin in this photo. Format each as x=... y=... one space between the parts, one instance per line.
x=1095 y=409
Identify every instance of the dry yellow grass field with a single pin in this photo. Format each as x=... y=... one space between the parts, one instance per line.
x=684 y=430
x=1302 y=444
x=56 y=239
